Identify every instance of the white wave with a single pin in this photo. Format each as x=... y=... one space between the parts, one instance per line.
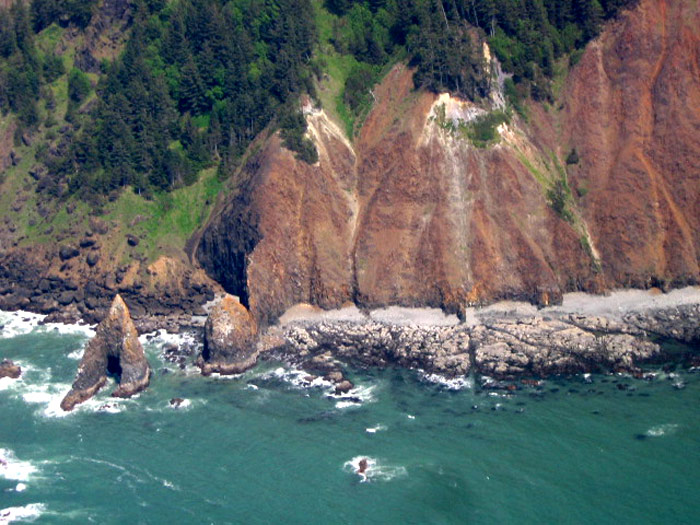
x=184 y=404
x=170 y=485
x=298 y=378
x=374 y=430
x=22 y=323
x=85 y=330
x=49 y=396
x=162 y=337
x=357 y=396
x=375 y=470
x=77 y=354
x=27 y=513
x=21 y=487
x=15 y=469
x=225 y=377
x=340 y=405
x=455 y=383
x=18 y=323
x=662 y=430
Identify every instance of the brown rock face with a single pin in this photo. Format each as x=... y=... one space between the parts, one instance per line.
x=9 y=369
x=115 y=349
x=413 y=214
x=632 y=110
x=230 y=335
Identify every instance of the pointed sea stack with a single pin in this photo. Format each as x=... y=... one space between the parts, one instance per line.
x=115 y=349
x=230 y=336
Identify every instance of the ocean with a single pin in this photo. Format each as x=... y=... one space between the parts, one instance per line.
x=264 y=448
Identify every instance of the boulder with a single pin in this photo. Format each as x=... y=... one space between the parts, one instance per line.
x=343 y=387
x=68 y=252
x=9 y=369
x=116 y=350
x=230 y=337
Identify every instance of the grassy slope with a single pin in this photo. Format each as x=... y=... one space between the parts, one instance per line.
x=163 y=224
x=336 y=66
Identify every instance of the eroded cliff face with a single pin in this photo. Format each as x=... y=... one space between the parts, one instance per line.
x=632 y=109
x=415 y=214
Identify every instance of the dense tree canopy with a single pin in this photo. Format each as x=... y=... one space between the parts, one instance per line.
x=199 y=79
x=440 y=37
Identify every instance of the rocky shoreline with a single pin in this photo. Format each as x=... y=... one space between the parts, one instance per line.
x=501 y=343
x=507 y=341
x=28 y=285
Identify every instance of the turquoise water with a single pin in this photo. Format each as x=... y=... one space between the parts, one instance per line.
x=258 y=449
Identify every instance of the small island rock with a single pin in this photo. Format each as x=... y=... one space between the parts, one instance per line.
x=9 y=369
x=230 y=337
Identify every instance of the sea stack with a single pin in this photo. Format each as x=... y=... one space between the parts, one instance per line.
x=230 y=337
x=116 y=350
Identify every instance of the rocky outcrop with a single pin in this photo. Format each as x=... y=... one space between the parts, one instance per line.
x=165 y=294
x=503 y=344
x=538 y=347
x=681 y=323
x=9 y=369
x=443 y=350
x=114 y=350
x=104 y=37
x=230 y=337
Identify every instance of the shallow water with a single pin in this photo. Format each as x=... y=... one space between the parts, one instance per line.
x=260 y=448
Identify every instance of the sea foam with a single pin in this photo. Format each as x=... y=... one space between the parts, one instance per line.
x=662 y=430
x=26 y=513
x=15 y=469
x=455 y=383
x=15 y=324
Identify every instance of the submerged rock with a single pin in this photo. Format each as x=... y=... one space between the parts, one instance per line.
x=115 y=349
x=230 y=337
x=9 y=369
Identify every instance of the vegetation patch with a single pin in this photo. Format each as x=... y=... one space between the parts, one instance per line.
x=482 y=130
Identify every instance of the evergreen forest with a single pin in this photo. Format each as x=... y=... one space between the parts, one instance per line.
x=197 y=80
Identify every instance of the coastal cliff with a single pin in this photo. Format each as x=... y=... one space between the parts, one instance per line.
x=593 y=189
x=597 y=191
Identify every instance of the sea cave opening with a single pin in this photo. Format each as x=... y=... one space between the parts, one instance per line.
x=114 y=368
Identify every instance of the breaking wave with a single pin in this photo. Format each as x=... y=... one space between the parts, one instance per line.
x=375 y=471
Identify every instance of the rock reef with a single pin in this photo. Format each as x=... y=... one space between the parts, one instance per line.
x=230 y=336
x=114 y=350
